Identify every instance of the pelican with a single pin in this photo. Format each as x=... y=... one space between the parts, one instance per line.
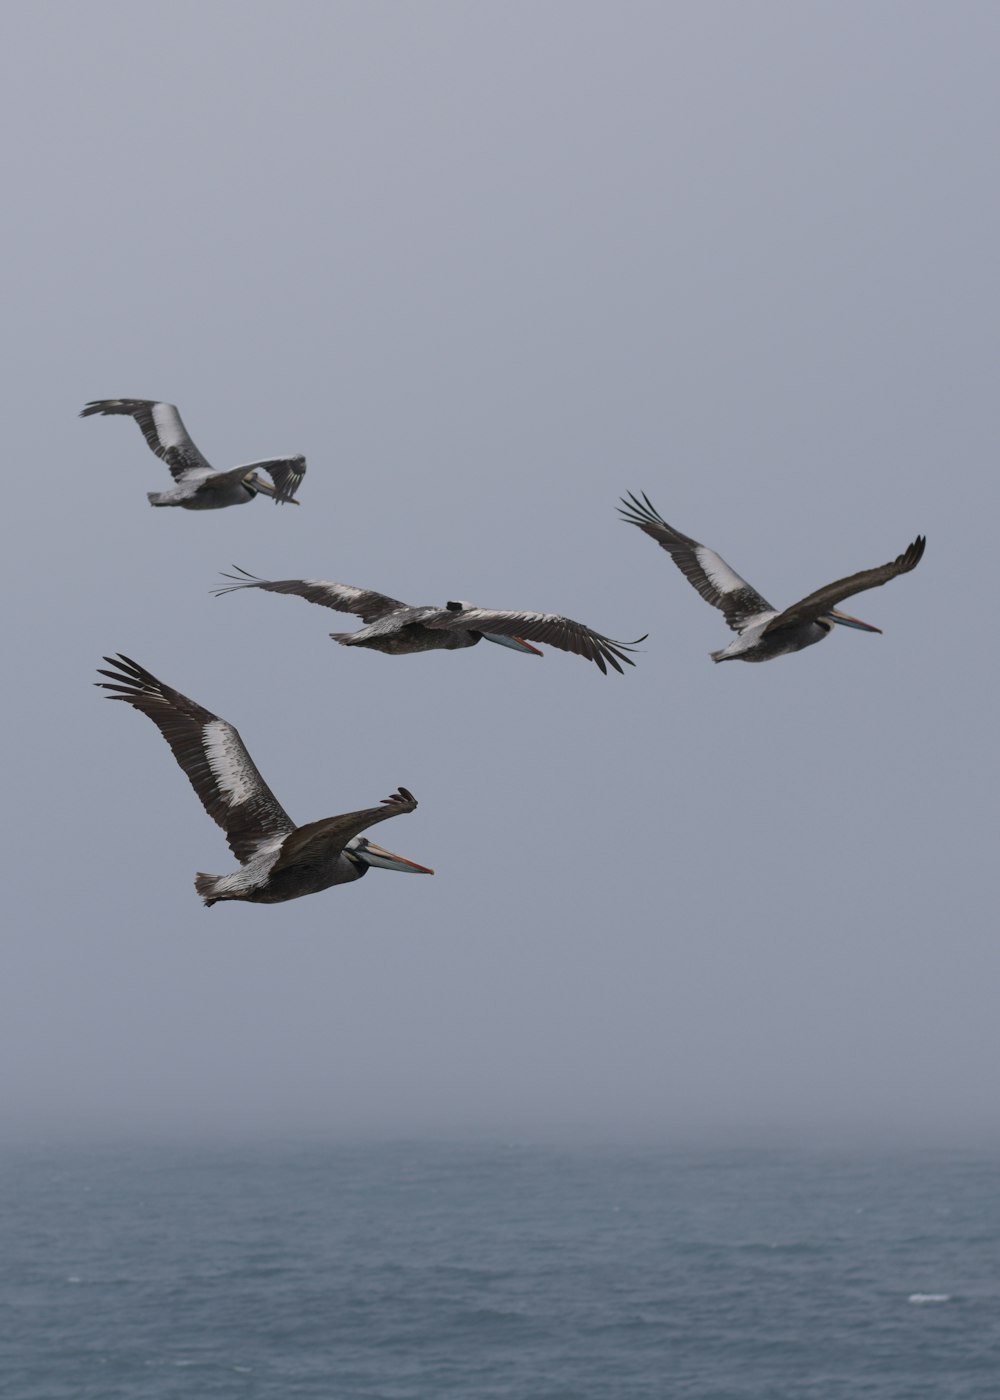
x=278 y=860
x=763 y=632
x=398 y=629
x=198 y=486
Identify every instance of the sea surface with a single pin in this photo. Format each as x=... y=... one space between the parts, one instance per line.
x=397 y=1270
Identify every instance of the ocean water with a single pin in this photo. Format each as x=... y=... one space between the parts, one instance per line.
x=488 y=1269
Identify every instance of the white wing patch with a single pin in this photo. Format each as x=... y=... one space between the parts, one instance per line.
x=227 y=759
x=168 y=425
x=718 y=572
x=343 y=592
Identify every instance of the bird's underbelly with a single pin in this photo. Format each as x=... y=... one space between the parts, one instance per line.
x=758 y=645
x=415 y=637
x=298 y=880
x=216 y=500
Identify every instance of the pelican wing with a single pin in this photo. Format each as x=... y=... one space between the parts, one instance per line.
x=211 y=753
x=319 y=842
x=285 y=472
x=557 y=631
x=705 y=570
x=820 y=602
x=163 y=429
x=363 y=602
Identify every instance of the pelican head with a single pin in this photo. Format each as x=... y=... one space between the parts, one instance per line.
x=258 y=484
x=515 y=643
x=845 y=620
x=365 y=853
x=254 y=482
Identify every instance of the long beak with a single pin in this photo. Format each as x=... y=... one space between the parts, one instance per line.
x=265 y=488
x=846 y=620
x=516 y=643
x=386 y=860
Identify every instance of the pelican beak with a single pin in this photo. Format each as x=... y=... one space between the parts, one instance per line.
x=266 y=488
x=846 y=620
x=386 y=860
x=516 y=643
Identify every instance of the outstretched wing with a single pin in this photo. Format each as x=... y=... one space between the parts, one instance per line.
x=285 y=472
x=717 y=583
x=561 y=632
x=211 y=753
x=820 y=602
x=318 y=842
x=163 y=429
x=364 y=603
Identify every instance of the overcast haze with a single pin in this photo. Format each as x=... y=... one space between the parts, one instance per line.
x=489 y=267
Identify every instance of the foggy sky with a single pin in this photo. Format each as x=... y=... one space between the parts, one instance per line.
x=489 y=267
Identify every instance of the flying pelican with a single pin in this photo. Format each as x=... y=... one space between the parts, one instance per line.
x=198 y=486
x=398 y=629
x=763 y=631
x=278 y=860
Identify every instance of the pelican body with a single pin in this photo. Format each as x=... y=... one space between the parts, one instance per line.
x=278 y=860
x=199 y=487
x=398 y=629
x=411 y=630
x=757 y=644
x=763 y=632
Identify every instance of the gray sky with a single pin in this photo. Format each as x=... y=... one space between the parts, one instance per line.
x=489 y=266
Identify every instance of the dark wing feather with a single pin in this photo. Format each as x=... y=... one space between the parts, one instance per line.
x=561 y=632
x=705 y=570
x=363 y=602
x=163 y=429
x=211 y=753
x=319 y=842
x=820 y=602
